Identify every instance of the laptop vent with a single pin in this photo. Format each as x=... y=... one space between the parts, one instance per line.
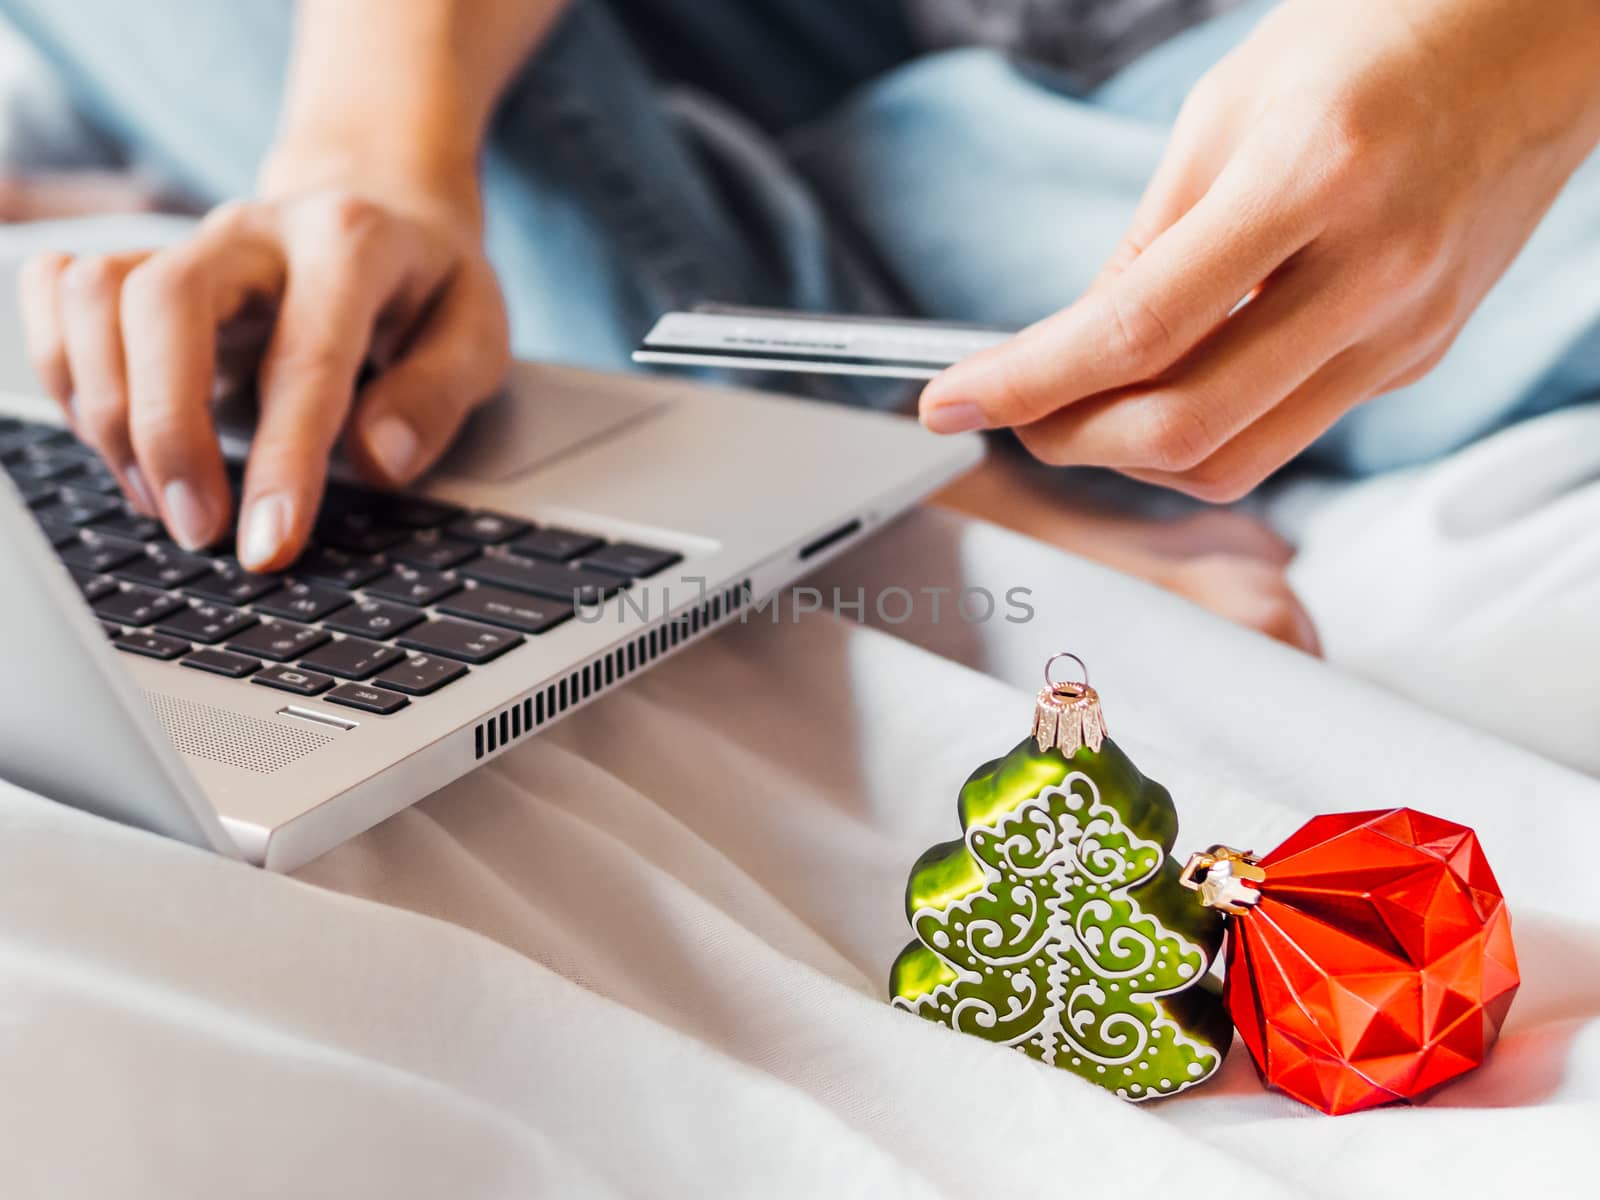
x=588 y=681
x=230 y=738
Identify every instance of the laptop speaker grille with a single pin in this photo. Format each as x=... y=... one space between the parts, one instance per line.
x=589 y=680
x=230 y=738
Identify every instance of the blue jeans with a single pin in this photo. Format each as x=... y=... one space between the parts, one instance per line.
x=656 y=153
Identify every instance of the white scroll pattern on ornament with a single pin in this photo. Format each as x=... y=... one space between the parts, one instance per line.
x=1085 y=959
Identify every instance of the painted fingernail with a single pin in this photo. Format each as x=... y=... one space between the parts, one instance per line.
x=263 y=530
x=139 y=491
x=953 y=418
x=393 y=444
x=188 y=516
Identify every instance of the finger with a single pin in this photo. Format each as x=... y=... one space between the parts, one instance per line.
x=1187 y=170
x=400 y=323
x=1258 y=357
x=172 y=306
x=91 y=299
x=1247 y=592
x=344 y=270
x=1351 y=379
x=406 y=418
x=1147 y=317
x=38 y=294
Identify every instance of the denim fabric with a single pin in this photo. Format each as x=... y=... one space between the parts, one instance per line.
x=655 y=153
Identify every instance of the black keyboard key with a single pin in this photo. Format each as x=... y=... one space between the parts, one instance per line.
x=135 y=606
x=292 y=679
x=61 y=444
x=17 y=449
x=340 y=567
x=130 y=525
x=367 y=698
x=352 y=658
x=232 y=584
x=96 y=552
x=14 y=443
x=223 y=662
x=91 y=585
x=496 y=606
x=163 y=567
x=487 y=528
x=61 y=536
x=96 y=478
x=278 y=641
x=44 y=468
x=558 y=545
x=36 y=493
x=634 y=562
x=374 y=619
x=420 y=675
x=358 y=532
x=71 y=493
x=411 y=512
x=75 y=507
x=460 y=639
x=303 y=602
x=433 y=553
x=110 y=629
x=151 y=645
x=409 y=585
x=545 y=579
x=207 y=623
x=338 y=498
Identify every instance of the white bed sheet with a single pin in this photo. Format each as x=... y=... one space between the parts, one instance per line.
x=1471 y=585
x=645 y=954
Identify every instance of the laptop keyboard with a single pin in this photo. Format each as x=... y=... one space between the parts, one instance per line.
x=396 y=597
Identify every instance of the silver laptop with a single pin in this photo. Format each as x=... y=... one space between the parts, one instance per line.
x=585 y=527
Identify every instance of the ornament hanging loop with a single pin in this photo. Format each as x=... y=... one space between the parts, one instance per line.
x=1228 y=880
x=1071 y=688
x=1066 y=716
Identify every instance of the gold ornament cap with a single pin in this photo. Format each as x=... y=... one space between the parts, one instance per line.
x=1228 y=880
x=1067 y=715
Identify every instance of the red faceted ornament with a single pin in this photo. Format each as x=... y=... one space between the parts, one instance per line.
x=1371 y=960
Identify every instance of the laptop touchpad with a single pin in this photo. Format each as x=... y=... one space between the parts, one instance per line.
x=540 y=417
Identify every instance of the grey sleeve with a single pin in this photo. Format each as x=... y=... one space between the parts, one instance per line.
x=1088 y=39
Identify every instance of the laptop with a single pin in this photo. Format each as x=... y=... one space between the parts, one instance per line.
x=585 y=527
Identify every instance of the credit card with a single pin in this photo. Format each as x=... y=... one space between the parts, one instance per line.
x=766 y=339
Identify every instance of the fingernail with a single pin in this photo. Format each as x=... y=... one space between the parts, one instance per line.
x=953 y=418
x=393 y=444
x=263 y=530
x=188 y=516
x=1310 y=640
x=139 y=491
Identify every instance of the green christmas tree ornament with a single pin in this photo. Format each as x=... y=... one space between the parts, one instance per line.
x=1057 y=924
